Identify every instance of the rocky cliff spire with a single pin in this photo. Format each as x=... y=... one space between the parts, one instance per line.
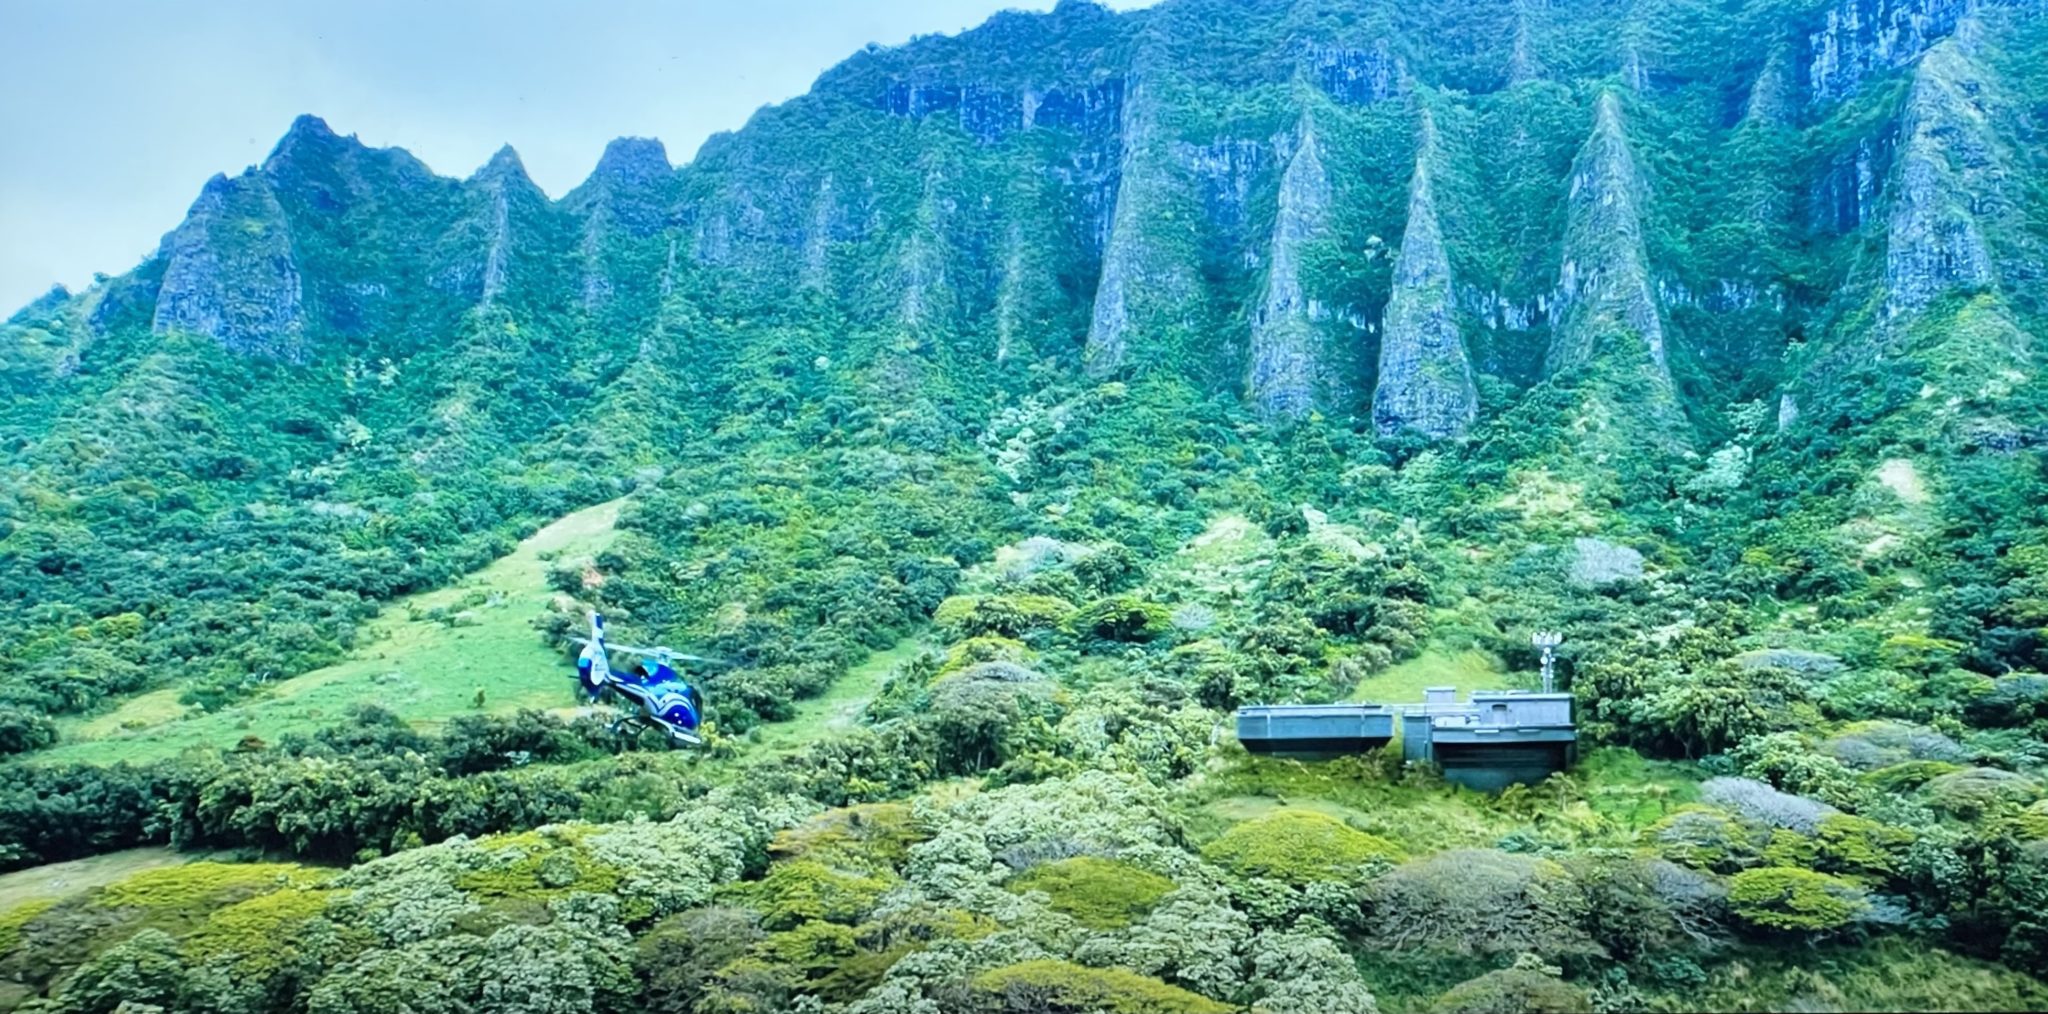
x=232 y=274
x=1608 y=306
x=1946 y=176
x=1425 y=379
x=505 y=182
x=1771 y=101
x=1145 y=271
x=1522 y=62
x=1287 y=371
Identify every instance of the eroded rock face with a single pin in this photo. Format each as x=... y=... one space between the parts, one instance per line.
x=483 y=244
x=1425 y=377
x=232 y=275
x=1356 y=77
x=1286 y=362
x=1948 y=173
x=1148 y=259
x=1857 y=39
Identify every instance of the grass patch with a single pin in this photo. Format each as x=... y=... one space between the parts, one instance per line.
x=1632 y=790
x=1467 y=670
x=839 y=707
x=424 y=669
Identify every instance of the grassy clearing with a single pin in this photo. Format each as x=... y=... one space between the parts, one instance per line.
x=1467 y=670
x=56 y=881
x=423 y=669
x=839 y=707
x=1419 y=817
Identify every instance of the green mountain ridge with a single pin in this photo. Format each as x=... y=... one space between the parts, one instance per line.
x=1007 y=410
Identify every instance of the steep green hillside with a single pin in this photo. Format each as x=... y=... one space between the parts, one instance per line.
x=1007 y=410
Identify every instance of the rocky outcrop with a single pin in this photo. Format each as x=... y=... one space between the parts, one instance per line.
x=1857 y=39
x=1425 y=378
x=1356 y=77
x=1597 y=563
x=231 y=273
x=1287 y=371
x=1771 y=95
x=816 y=273
x=1948 y=174
x=1607 y=305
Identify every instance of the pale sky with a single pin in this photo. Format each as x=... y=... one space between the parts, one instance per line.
x=114 y=112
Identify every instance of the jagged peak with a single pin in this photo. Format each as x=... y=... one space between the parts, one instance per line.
x=307 y=133
x=633 y=160
x=1604 y=285
x=505 y=168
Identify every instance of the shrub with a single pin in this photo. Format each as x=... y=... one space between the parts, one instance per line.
x=677 y=958
x=1868 y=746
x=1971 y=792
x=1755 y=801
x=802 y=890
x=1705 y=838
x=195 y=889
x=1010 y=616
x=1122 y=618
x=1795 y=900
x=12 y=920
x=876 y=835
x=1902 y=778
x=1479 y=901
x=1057 y=987
x=24 y=729
x=1098 y=893
x=1514 y=991
x=146 y=969
x=1298 y=846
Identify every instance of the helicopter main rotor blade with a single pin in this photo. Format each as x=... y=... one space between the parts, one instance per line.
x=680 y=656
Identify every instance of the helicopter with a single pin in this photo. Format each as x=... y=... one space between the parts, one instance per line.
x=664 y=699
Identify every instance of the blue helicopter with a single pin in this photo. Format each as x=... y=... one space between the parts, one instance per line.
x=662 y=697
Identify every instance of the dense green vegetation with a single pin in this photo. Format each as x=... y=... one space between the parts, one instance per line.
x=924 y=414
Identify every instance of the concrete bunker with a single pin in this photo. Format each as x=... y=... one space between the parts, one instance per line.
x=1491 y=740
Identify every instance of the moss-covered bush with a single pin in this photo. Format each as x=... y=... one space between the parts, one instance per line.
x=1010 y=616
x=1795 y=900
x=802 y=890
x=1122 y=618
x=1099 y=893
x=1705 y=838
x=1298 y=846
x=1059 y=987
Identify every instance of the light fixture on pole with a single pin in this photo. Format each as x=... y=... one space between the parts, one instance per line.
x=1547 y=641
